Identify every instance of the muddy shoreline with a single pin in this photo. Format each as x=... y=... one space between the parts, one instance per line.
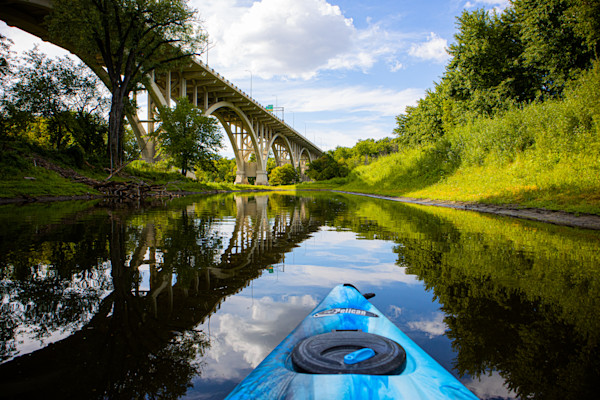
x=585 y=221
x=47 y=199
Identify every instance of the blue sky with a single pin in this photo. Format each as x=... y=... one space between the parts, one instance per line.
x=341 y=69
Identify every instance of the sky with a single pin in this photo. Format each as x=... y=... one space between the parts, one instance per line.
x=341 y=69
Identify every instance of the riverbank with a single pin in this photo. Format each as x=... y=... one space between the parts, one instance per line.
x=51 y=183
x=586 y=221
x=543 y=155
x=39 y=179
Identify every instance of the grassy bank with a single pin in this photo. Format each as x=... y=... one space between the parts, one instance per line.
x=22 y=177
x=543 y=155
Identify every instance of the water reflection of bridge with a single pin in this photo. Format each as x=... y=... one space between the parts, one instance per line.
x=135 y=331
x=260 y=238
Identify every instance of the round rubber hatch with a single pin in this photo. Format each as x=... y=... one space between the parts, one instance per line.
x=324 y=354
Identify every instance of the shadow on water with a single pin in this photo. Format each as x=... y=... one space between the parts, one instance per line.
x=105 y=302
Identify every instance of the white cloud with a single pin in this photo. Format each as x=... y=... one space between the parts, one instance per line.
x=432 y=327
x=434 y=49
x=290 y=38
x=277 y=37
x=379 y=101
x=394 y=311
x=329 y=276
x=396 y=66
x=497 y=5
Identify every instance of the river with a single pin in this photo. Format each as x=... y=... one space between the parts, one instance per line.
x=183 y=298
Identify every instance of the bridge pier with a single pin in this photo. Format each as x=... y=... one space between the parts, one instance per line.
x=240 y=178
x=261 y=178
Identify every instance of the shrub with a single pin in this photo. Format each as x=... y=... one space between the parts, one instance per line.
x=284 y=175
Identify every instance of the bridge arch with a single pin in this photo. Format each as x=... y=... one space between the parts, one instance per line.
x=286 y=144
x=302 y=160
x=225 y=125
x=247 y=136
x=246 y=125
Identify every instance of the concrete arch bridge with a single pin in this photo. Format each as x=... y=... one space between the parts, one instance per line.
x=251 y=129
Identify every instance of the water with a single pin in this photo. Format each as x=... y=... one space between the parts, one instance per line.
x=182 y=299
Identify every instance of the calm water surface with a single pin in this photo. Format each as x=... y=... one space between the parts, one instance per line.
x=182 y=299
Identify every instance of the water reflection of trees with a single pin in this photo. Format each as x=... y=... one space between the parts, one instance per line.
x=117 y=348
x=46 y=285
x=520 y=298
x=514 y=324
x=129 y=341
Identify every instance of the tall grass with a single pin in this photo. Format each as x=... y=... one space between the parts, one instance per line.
x=539 y=155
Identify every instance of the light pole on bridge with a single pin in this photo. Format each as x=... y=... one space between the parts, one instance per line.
x=250 y=82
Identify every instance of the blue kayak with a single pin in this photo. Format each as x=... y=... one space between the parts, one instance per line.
x=347 y=349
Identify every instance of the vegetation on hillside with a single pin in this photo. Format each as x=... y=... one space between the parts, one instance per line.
x=514 y=119
x=284 y=175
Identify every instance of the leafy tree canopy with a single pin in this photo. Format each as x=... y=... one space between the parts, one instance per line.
x=223 y=170
x=124 y=41
x=189 y=137
x=57 y=103
x=528 y=52
x=326 y=167
x=4 y=57
x=284 y=175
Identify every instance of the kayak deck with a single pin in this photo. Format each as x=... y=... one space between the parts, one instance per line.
x=346 y=309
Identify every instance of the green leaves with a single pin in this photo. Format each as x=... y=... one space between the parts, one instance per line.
x=131 y=38
x=189 y=137
x=5 y=55
x=284 y=175
x=555 y=42
x=125 y=40
x=325 y=168
x=55 y=102
x=529 y=52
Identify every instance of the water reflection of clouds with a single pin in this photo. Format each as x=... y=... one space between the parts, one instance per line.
x=247 y=328
x=331 y=257
x=329 y=276
x=433 y=327
x=394 y=312
x=492 y=386
x=245 y=331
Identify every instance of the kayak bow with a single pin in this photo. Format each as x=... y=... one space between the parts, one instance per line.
x=347 y=349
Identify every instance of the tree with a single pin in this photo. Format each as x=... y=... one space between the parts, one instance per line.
x=62 y=93
x=366 y=148
x=486 y=69
x=284 y=175
x=560 y=37
x=584 y=15
x=326 y=167
x=386 y=146
x=271 y=165
x=188 y=136
x=223 y=170
x=132 y=39
x=5 y=56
